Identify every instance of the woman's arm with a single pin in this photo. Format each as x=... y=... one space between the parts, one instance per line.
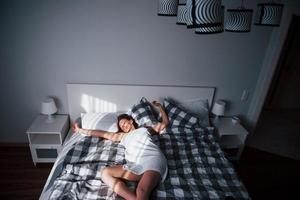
x=165 y=120
x=115 y=137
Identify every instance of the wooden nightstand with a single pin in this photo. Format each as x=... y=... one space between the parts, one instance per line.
x=46 y=138
x=231 y=136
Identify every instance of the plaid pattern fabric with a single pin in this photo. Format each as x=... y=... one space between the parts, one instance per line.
x=81 y=175
x=197 y=169
x=178 y=117
x=142 y=113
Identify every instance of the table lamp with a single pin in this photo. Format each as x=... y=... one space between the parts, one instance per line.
x=218 y=109
x=49 y=108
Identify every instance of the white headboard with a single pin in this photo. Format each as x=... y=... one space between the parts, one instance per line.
x=114 y=97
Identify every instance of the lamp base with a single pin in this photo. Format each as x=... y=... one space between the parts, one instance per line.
x=50 y=119
x=216 y=120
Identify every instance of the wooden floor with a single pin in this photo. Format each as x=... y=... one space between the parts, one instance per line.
x=266 y=176
x=20 y=179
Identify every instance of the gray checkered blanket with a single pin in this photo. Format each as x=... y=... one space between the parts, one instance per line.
x=197 y=168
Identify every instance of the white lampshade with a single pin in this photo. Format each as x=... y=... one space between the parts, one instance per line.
x=219 y=108
x=48 y=107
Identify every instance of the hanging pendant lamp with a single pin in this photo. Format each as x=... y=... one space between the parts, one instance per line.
x=190 y=14
x=181 y=14
x=167 y=7
x=239 y=20
x=209 y=16
x=269 y=14
x=213 y=29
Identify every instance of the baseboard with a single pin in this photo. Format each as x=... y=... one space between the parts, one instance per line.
x=14 y=144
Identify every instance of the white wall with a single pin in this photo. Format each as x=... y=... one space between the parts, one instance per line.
x=46 y=44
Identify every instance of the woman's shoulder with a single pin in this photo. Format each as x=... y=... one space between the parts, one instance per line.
x=147 y=129
x=144 y=128
x=123 y=136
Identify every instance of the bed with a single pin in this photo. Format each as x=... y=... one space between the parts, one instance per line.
x=197 y=167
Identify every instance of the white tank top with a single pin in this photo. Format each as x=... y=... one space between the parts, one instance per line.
x=142 y=154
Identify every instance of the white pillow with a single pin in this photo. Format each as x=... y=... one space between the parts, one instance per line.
x=198 y=107
x=100 y=121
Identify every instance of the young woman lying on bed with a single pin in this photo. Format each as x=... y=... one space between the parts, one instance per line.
x=145 y=163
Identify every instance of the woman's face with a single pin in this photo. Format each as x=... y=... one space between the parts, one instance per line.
x=126 y=125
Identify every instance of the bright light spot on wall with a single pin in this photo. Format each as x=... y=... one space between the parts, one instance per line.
x=94 y=104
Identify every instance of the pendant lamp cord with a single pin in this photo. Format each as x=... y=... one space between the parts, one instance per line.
x=242 y=5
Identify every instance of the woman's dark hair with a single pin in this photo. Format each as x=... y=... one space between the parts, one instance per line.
x=128 y=117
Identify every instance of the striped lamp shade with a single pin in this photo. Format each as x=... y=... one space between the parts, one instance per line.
x=208 y=15
x=190 y=14
x=269 y=14
x=167 y=7
x=219 y=28
x=181 y=14
x=238 y=20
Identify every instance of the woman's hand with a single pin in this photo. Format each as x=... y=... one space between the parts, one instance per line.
x=156 y=103
x=165 y=120
x=75 y=128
